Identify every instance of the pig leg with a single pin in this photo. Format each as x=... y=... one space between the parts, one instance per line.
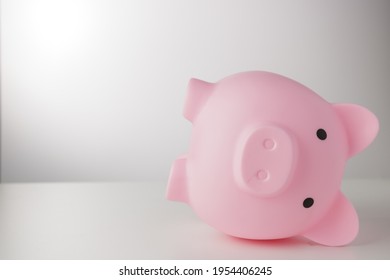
x=339 y=227
x=177 y=182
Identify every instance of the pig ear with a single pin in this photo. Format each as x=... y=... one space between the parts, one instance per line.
x=360 y=124
x=198 y=93
x=339 y=227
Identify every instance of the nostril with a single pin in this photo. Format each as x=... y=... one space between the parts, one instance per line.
x=308 y=202
x=269 y=144
x=262 y=174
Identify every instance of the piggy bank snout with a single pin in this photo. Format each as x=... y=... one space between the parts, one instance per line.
x=265 y=160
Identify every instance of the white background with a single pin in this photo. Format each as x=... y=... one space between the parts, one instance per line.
x=133 y=221
x=281 y=269
x=93 y=90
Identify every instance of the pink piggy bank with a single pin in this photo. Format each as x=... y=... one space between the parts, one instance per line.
x=267 y=157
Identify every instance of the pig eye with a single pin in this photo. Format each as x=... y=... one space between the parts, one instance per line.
x=321 y=134
x=308 y=202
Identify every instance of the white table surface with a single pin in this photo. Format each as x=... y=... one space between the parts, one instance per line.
x=131 y=220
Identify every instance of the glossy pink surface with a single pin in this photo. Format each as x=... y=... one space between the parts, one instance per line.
x=267 y=156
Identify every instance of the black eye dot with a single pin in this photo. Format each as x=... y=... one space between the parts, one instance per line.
x=308 y=202
x=321 y=134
